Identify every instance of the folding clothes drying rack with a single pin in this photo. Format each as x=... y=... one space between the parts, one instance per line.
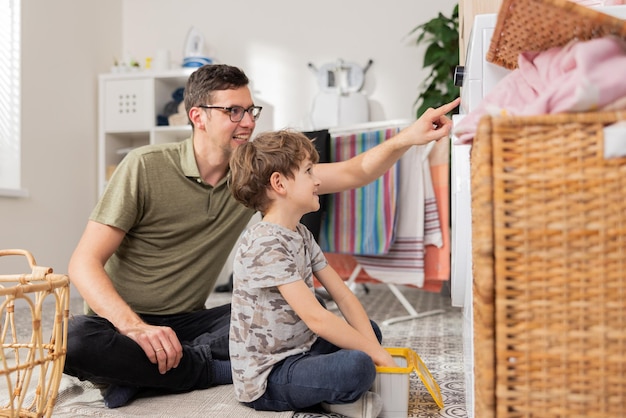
x=413 y=314
x=352 y=280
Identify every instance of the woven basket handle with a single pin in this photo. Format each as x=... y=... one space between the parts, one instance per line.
x=38 y=272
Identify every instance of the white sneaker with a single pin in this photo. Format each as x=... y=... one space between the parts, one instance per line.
x=368 y=406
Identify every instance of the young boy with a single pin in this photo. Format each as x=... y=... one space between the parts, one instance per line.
x=287 y=351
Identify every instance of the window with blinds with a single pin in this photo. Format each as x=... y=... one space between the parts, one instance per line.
x=10 y=98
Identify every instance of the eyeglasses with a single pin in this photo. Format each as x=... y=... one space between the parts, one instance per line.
x=236 y=113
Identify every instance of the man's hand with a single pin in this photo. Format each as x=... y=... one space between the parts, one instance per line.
x=160 y=344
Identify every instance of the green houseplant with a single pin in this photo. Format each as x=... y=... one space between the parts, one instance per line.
x=441 y=37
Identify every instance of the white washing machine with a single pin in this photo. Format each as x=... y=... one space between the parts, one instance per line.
x=479 y=77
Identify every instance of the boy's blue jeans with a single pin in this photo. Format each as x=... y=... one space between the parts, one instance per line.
x=326 y=373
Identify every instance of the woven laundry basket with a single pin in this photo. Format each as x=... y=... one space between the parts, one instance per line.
x=549 y=268
x=537 y=25
x=32 y=359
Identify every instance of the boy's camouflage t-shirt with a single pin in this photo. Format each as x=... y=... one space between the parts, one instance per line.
x=264 y=329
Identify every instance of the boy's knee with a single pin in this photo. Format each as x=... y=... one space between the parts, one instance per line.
x=360 y=370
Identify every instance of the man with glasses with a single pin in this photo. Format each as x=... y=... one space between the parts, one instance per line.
x=236 y=113
x=158 y=238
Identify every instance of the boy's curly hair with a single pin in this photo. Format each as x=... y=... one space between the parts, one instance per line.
x=252 y=164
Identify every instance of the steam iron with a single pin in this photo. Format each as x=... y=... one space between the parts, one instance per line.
x=194 y=55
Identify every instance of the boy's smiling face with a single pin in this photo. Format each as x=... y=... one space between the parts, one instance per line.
x=302 y=189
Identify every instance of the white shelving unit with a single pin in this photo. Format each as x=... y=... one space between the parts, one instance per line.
x=128 y=107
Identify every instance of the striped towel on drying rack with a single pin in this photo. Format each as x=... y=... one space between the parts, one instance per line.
x=417 y=225
x=361 y=221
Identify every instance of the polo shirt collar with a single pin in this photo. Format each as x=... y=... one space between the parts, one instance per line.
x=188 y=162
x=188 y=159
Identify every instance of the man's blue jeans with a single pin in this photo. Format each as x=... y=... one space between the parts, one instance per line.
x=97 y=352
x=327 y=373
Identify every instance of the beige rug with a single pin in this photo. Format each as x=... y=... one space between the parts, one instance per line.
x=82 y=399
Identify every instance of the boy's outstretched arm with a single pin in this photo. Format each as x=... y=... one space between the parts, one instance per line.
x=373 y=163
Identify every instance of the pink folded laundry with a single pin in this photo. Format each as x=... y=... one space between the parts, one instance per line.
x=580 y=76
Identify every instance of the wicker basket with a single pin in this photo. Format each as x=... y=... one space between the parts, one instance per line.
x=549 y=254
x=537 y=25
x=32 y=364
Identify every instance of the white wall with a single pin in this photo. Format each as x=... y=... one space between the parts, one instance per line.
x=66 y=43
x=274 y=40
